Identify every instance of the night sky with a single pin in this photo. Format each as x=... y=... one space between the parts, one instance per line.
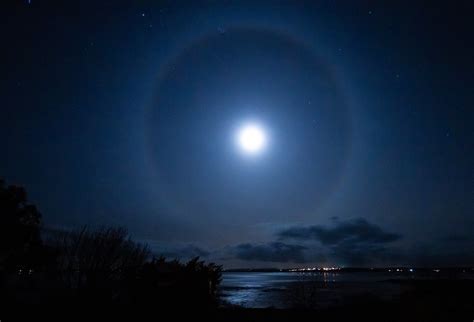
x=126 y=114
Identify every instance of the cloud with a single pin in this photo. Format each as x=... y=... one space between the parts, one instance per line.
x=354 y=231
x=270 y=252
x=351 y=242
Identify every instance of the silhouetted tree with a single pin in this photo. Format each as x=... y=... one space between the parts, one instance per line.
x=97 y=259
x=20 y=241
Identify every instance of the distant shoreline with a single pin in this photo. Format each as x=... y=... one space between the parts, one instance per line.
x=394 y=269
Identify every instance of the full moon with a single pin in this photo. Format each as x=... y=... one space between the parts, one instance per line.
x=251 y=139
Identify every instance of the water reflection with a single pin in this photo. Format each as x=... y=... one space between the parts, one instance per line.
x=259 y=290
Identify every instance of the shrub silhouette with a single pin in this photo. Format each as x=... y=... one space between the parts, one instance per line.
x=170 y=282
x=96 y=259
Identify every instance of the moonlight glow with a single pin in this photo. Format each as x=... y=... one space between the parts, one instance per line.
x=251 y=139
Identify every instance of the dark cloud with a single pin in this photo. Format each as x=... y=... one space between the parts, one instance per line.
x=271 y=252
x=362 y=253
x=351 y=242
x=354 y=231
